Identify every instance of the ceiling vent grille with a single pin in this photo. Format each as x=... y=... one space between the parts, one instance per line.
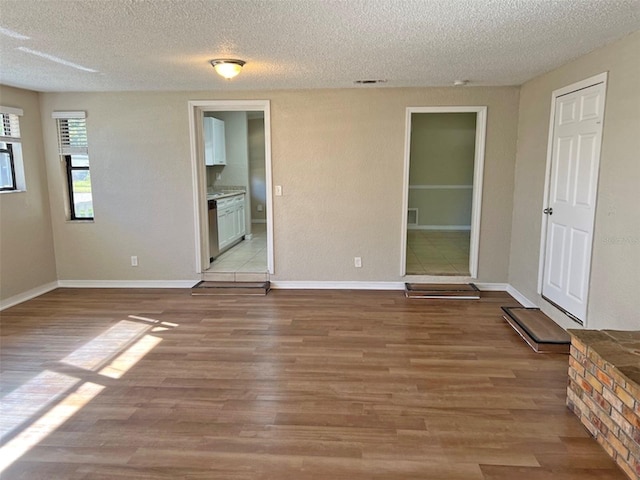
x=368 y=82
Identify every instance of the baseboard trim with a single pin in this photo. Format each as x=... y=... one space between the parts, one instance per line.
x=520 y=297
x=492 y=287
x=28 y=295
x=258 y=220
x=127 y=283
x=284 y=285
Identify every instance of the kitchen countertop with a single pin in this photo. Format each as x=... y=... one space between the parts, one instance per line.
x=219 y=195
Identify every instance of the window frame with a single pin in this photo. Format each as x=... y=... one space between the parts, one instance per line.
x=68 y=146
x=14 y=183
x=72 y=202
x=11 y=136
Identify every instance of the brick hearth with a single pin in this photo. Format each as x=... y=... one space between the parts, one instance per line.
x=604 y=391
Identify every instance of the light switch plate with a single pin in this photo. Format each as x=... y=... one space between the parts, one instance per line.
x=278 y=190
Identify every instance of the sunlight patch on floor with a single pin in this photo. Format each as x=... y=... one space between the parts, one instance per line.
x=47 y=423
x=132 y=355
x=33 y=405
x=28 y=399
x=103 y=347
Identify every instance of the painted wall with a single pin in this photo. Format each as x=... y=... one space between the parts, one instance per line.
x=616 y=249
x=257 y=169
x=236 y=171
x=442 y=153
x=337 y=153
x=26 y=239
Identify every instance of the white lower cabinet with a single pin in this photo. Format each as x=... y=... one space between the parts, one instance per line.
x=231 y=220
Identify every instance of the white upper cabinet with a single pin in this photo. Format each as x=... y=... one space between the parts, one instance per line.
x=215 y=152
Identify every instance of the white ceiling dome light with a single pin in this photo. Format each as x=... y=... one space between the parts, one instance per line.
x=227 y=67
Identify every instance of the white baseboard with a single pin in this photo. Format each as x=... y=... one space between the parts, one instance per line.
x=284 y=285
x=28 y=295
x=296 y=285
x=127 y=283
x=258 y=220
x=520 y=297
x=440 y=227
x=492 y=287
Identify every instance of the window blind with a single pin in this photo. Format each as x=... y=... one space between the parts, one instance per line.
x=72 y=133
x=10 y=128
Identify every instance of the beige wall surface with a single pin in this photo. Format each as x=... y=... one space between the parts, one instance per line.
x=338 y=154
x=616 y=248
x=26 y=239
x=442 y=148
x=442 y=208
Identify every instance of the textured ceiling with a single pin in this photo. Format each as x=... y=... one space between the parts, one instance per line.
x=116 y=45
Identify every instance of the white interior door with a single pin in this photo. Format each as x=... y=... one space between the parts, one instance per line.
x=570 y=212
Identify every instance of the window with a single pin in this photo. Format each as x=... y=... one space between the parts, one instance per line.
x=73 y=145
x=10 y=150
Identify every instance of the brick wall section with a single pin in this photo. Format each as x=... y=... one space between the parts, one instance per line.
x=607 y=403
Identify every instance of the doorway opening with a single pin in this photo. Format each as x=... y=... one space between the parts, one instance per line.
x=444 y=158
x=231 y=169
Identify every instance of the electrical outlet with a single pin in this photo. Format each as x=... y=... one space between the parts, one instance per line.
x=134 y=261
x=278 y=190
x=357 y=262
x=260 y=207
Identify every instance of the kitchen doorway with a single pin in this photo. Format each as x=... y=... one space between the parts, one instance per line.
x=444 y=157
x=231 y=170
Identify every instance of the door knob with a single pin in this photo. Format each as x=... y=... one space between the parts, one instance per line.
x=548 y=211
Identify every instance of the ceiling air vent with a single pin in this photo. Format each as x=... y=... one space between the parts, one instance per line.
x=368 y=82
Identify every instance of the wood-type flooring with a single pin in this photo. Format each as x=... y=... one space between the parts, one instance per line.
x=157 y=384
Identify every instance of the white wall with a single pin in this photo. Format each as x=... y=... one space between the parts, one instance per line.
x=257 y=169
x=337 y=153
x=236 y=171
x=26 y=239
x=615 y=271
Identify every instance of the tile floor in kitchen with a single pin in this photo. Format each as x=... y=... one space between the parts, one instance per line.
x=247 y=256
x=437 y=252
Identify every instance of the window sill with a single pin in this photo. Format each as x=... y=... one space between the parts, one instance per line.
x=4 y=192
x=80 y=221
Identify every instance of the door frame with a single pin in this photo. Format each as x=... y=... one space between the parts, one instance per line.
x=581 y=85
x=478 y=174
x=199 y=172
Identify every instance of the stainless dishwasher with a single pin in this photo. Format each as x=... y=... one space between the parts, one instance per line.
x=214 y=249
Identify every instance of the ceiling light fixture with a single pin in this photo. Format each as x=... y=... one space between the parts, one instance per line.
x=227 y=67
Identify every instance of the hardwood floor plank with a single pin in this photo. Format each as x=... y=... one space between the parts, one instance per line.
x=341 y=385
